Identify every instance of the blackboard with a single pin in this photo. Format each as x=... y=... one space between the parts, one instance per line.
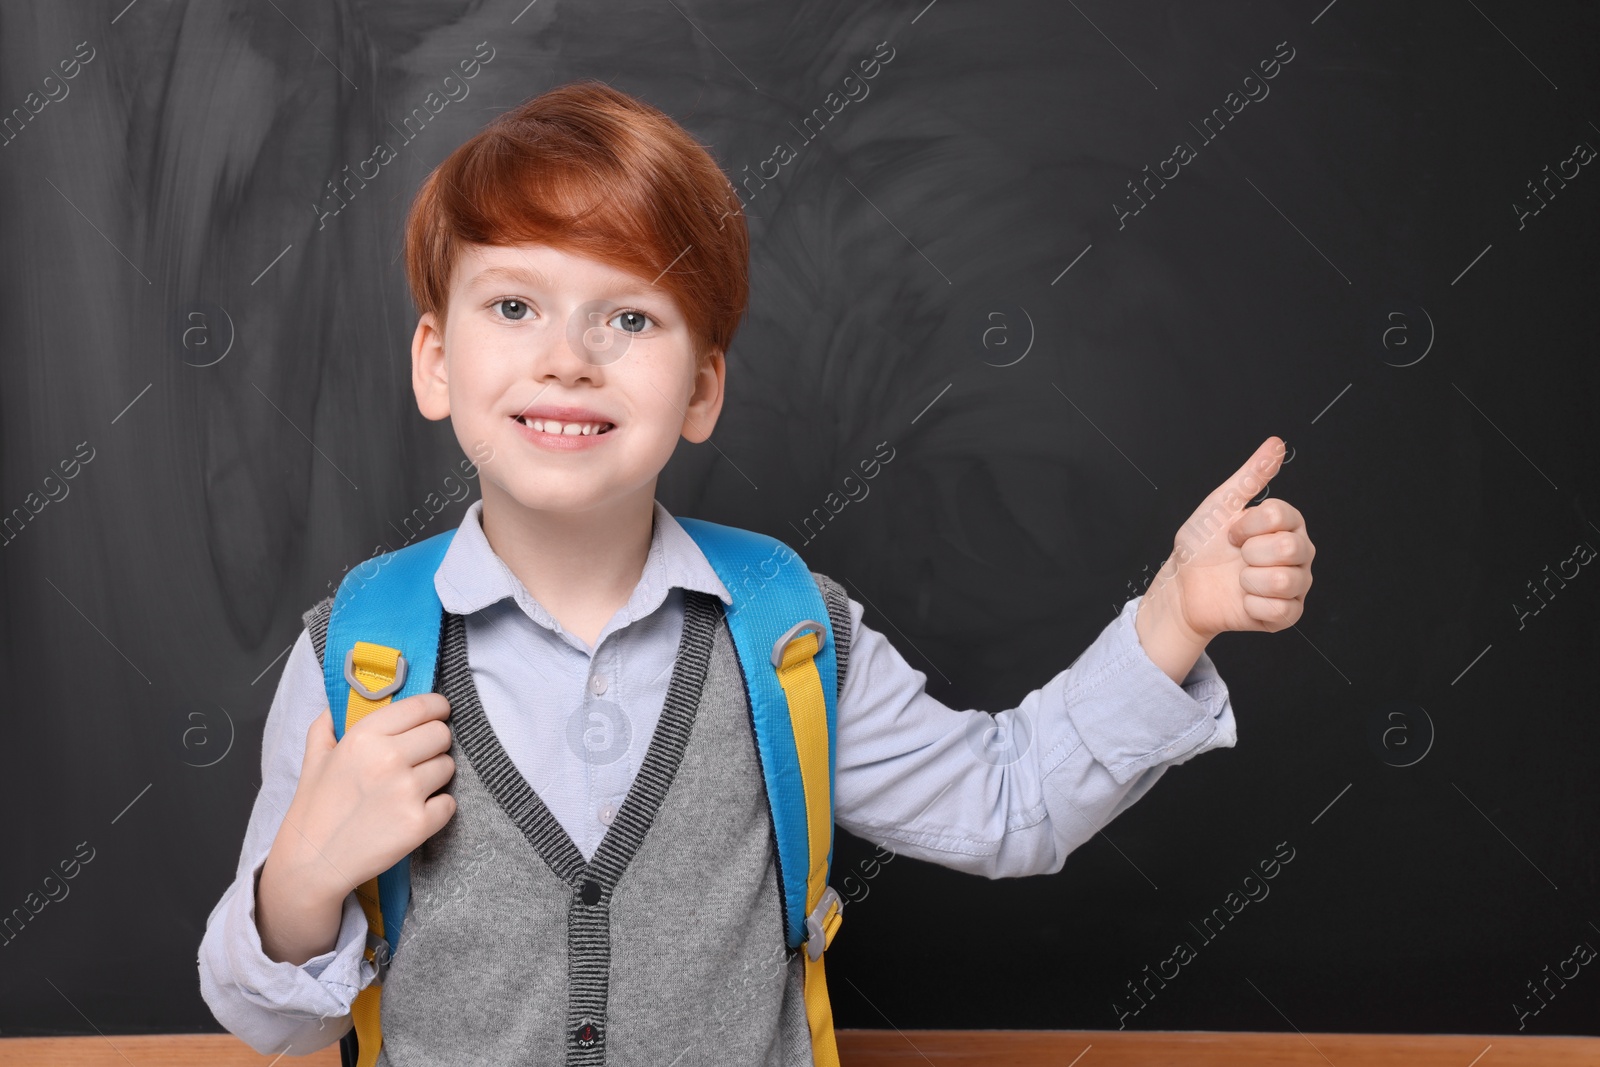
x=1379 y=246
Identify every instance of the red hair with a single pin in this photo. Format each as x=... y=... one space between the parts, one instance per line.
x=589 y=170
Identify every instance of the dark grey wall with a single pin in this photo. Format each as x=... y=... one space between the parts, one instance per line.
x=221 y=362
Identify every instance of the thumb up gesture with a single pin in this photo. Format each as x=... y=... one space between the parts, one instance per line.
x=1239 y=568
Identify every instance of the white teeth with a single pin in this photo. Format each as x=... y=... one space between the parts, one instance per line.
x=571 y=429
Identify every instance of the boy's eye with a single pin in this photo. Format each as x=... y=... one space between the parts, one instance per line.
x=630 y=321
x=633 y=321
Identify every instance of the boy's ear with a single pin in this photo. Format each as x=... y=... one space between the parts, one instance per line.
x=428 y=376
x=705 y=402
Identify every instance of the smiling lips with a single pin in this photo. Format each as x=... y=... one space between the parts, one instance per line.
x=564 y=421
x=562 y=429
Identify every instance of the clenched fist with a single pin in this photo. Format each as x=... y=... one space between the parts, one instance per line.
x=365 y=801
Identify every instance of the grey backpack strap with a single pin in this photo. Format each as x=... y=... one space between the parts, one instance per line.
x=838 y=602
x=316 y=620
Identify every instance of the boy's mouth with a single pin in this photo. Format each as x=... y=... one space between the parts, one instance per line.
x=565 y=429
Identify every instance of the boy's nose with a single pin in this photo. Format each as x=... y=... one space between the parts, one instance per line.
x=573 y=354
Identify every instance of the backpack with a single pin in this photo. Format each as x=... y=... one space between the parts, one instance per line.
x=382 y=645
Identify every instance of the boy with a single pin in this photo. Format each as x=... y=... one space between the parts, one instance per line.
x=590 y=845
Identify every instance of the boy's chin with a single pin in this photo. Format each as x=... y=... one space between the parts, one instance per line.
x=550 y=497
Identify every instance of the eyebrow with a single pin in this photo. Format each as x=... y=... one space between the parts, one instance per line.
x=510 y=274
x=532 y=277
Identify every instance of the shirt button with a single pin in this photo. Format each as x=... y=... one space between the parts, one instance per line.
x=587 y=1035
x=607 y=813
x=598 y=684
x=590 y=892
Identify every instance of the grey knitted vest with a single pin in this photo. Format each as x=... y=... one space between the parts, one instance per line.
x=667 y=949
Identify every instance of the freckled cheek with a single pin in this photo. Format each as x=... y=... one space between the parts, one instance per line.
x=470 y=406
x=662 y=379
x=483 y=378
x=659 y=403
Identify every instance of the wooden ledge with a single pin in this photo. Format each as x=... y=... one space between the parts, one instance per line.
x=1205 y=1048
x=944 y=1048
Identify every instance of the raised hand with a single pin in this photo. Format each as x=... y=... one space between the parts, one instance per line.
x=1235 y=567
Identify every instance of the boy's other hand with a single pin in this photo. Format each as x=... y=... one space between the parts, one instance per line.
x=1235 y=567
x=364 y=802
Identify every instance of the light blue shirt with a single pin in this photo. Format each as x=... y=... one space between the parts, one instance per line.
x=913 y=775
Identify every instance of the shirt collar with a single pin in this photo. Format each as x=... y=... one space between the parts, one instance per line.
x=471 y=577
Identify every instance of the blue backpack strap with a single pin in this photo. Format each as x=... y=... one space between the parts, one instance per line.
x=773 y=591
x=389 y=600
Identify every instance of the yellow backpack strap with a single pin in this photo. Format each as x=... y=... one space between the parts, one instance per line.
x=792 y=713
x=375 y=673
x=381 y=644
x=795 y=659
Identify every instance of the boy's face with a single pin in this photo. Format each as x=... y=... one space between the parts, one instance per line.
x=530 y=329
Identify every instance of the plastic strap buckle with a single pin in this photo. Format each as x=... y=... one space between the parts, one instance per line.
x=794 y=631
x=817 y=922
x=374 y=694
x=381 y=953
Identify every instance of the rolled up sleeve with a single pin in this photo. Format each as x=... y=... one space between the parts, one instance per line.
x=1132 y=716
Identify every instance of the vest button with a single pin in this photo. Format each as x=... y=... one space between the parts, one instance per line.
x=587 y=1035
x=590 y=891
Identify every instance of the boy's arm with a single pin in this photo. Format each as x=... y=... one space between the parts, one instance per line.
x=1014 y=794
x=278 y=1006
